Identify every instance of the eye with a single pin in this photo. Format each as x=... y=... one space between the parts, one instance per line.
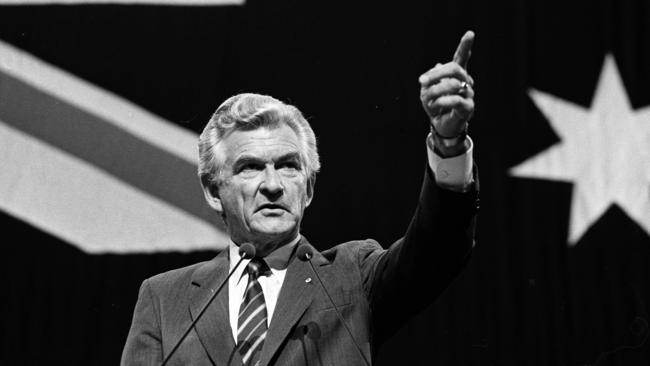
x=288 y=165
x=250 y=167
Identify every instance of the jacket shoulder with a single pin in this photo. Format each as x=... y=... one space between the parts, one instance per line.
x=172 y=279
x=355 y=250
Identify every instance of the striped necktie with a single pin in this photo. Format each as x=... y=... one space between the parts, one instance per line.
x=252 y=323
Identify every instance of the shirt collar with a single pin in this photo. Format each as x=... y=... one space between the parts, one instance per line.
x=276 y=260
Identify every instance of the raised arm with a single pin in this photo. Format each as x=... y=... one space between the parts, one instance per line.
x=415 y=270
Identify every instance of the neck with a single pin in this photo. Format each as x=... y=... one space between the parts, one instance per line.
x=265 y=246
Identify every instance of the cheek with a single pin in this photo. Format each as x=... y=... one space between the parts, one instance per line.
x=239 y=198
x=299 y=193
x=246 y=199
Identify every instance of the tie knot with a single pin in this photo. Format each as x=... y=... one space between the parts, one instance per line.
x=257 y=267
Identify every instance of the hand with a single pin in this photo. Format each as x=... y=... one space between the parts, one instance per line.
x=446 y=92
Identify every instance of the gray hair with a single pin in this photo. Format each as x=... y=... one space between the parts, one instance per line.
x=245 y=112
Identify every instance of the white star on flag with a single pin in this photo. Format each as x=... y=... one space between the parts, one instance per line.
x=604 y=151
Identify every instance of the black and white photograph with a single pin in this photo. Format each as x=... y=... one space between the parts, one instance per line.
x=324 y=183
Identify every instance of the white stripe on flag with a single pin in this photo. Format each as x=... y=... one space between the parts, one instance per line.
x=126 y=2
x=73 y=200
x=110 y=107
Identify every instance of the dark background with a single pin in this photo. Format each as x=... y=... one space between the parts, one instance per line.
x=526 y=298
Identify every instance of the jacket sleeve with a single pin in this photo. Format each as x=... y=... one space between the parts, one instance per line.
x=143 y=344
x=407 y=277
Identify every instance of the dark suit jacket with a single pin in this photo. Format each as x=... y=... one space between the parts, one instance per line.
x=376 y=290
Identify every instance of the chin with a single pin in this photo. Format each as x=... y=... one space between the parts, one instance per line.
x=276 y=230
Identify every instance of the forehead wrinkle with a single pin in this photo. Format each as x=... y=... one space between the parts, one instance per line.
x=267 y=152
x=267 y=147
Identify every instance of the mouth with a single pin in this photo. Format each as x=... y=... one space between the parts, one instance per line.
x=271 y=207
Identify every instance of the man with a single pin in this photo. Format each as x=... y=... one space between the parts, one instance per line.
x=258 y=163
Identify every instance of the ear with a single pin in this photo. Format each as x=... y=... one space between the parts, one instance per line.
x=211 y=193
x=311 y=181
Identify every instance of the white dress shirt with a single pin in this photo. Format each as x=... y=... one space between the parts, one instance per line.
x=453 y=173
x=271 y=284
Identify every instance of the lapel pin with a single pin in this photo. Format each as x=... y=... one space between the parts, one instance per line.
x=308 y=280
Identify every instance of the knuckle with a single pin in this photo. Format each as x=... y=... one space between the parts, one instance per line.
x=450 y=85
x=435 y=90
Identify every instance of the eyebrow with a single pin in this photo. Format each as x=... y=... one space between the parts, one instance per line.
x=246 y=159
x=293 y=156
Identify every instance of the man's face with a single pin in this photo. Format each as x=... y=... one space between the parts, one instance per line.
x=263 y=189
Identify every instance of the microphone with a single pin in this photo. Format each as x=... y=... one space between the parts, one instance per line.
x=305 y=253
x=246 y=251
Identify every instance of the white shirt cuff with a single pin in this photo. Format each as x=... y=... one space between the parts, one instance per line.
x=452 y=173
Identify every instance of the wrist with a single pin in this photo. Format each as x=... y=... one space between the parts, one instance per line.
x=448 y=147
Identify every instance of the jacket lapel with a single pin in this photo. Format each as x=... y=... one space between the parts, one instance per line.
x=214 y=326
x=295 y=297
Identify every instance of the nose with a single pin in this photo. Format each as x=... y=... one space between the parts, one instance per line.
x=272 y=183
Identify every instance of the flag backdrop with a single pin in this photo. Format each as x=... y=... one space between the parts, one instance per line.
x=101 y=103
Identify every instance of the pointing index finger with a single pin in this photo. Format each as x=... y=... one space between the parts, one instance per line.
x=464 y=50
